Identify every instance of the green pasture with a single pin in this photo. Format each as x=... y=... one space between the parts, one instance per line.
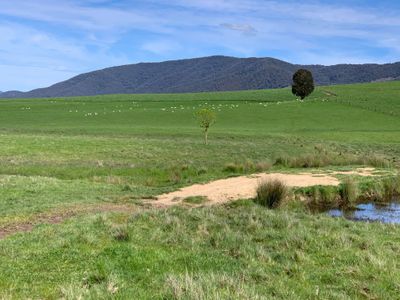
x=120 y=149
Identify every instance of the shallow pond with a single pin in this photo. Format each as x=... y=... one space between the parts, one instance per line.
x=371 y=212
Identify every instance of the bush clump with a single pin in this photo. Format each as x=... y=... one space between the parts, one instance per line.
x=271 y=193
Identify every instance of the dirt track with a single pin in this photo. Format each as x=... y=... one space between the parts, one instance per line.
x=57 y=216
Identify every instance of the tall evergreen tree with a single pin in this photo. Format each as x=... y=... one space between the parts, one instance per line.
x=303 y=83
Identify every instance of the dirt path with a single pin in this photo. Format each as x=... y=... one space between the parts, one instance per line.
x=244 y=187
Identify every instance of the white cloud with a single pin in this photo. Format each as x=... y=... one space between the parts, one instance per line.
x=243 y=28
x=48 y=57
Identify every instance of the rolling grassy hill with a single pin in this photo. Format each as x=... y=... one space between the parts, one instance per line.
x=207 y=74
x=63 y=154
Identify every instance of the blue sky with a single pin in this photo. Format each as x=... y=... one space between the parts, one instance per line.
x=46 y=41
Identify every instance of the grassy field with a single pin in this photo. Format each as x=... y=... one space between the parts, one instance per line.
x=59 y=154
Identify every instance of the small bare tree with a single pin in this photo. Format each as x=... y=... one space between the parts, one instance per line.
x=206 y=117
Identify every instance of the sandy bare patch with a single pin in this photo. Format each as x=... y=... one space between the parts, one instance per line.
x=244 y=187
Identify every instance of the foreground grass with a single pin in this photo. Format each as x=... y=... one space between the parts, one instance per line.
x=241 y=251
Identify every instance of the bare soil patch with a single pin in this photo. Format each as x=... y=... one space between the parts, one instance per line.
x=244 y=187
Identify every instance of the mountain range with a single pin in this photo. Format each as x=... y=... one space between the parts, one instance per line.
x=207 y=74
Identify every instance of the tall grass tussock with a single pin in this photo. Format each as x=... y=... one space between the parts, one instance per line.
x=271 y=193
x=391 y=188
x=349 y=192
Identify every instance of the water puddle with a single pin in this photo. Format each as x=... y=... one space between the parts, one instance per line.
x=371 y=212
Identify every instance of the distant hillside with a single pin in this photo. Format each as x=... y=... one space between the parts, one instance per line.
x=13 y=94
x=215 y=73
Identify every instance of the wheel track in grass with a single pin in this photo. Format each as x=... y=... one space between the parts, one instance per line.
x=57 y=216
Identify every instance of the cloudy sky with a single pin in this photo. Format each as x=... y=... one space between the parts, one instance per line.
x=46 y=41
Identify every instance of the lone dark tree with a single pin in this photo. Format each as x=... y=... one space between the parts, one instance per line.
x=206 y=117
x=303 y=83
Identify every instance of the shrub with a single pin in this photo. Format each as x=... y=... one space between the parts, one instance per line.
x=271 y=193
x=348 y=192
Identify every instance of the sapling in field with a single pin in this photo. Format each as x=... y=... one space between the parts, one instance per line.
x=206 y=118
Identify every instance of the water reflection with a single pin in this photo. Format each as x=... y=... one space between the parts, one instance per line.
x=386 y=213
